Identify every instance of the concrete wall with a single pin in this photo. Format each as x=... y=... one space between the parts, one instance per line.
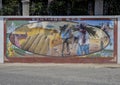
x=118 y=41
x=2 y=33
x=1 y=40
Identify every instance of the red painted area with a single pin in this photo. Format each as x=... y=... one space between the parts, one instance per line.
x=59 y=60
x=5 y=37
x=18 y=18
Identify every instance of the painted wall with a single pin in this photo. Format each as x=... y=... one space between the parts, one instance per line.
x=79 y=38
x=41 y=37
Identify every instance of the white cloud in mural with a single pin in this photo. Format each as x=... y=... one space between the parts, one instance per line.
x=11 y=28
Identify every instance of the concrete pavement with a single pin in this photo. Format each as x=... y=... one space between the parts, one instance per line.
x=63 y=65
x=59 y=74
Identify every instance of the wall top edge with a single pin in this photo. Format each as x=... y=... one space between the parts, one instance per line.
x=59 y=16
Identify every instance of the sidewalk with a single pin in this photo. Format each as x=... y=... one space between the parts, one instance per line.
x=62 y=65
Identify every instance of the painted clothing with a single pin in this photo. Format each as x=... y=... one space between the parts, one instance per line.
x=66 y=34
x=83 y=38
x=83 y=43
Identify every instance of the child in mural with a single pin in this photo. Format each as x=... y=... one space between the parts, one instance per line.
x=106 y=28
x=83 y=42
x=65 y=32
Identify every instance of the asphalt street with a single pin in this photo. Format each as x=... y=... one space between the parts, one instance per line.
x=59 y=74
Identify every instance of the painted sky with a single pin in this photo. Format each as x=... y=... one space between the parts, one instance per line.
x=97 y=22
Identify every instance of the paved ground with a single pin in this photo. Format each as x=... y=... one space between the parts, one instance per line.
x=59 y=74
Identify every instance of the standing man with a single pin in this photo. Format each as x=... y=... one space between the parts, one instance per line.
x=65 y=33
x=83 y=42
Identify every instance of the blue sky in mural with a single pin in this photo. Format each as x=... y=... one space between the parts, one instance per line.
x=97 y=22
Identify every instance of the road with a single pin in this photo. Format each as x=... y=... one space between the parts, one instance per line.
x=59 y=74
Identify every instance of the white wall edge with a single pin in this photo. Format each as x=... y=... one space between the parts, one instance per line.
x=59 y=16
x=1 y=40
x=118 y=49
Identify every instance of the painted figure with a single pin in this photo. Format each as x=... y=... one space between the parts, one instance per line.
x=83 y=42
x=75 y=36
x=65 y=33
x=51 y=42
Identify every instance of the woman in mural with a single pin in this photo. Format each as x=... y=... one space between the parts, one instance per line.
x=51 y=42
x=83 y=42
x=65 y=32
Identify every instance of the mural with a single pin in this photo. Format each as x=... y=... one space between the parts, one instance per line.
x=61 y=38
